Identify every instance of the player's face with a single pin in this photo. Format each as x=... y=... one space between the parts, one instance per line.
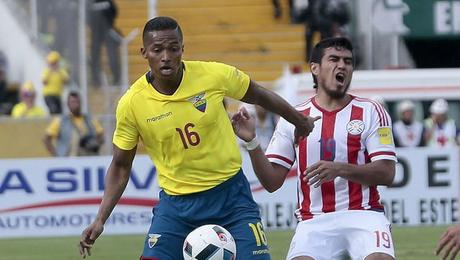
x=335 y=71
x=163 y=50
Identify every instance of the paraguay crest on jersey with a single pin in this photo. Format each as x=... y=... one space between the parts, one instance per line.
x=198 y=101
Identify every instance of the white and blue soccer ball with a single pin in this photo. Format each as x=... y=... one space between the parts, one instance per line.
x=210 y=242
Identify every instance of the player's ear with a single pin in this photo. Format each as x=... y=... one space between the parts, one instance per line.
x=314 y=68
x=144 y=52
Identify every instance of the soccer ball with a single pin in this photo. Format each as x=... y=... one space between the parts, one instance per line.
x=210 y=242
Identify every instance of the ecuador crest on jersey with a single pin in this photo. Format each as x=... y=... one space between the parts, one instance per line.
x=153 y=239
x=199 y=102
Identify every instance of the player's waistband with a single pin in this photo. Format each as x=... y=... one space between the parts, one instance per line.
x=239 y=176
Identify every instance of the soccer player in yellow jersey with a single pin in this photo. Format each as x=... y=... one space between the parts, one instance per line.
x=177 y=110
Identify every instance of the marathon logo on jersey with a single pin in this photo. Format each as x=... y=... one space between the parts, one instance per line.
x=153 y=239
x=198 y=101
x=385 y=135
x=355 y=127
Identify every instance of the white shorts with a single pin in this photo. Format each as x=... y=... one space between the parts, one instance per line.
x=353 y=233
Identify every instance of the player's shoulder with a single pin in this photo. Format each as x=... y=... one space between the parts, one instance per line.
x=56 y=120
x=46 y=71
x=305 y=105
x=206 y=66
x=367 y=103
x=135 y=89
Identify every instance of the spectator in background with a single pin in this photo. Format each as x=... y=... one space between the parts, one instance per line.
x=8 y=93
x=75 y=134
x=3 y=85
x=407 y=131
x=3 y=89
x=278 y=11
x=265 y=125
x=328 y=18
x=54 y=78
x=102 y=17
x=27 y=108
x=441 y=131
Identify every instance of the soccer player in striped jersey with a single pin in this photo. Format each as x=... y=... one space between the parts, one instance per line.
x=177 y=110
x=339 y=165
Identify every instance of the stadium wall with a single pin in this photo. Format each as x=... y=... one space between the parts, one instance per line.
x=391 y=85
x=23 y=138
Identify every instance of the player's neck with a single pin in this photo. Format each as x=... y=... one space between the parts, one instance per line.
x=167 y=87
x=332 y=103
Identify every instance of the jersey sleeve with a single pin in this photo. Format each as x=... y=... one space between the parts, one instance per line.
x=54 y=127
x=65 y=75
x=281 y=148
x=379 y=143
x=236 y=82
x=126 y=135
x=97 y=126
x=45 y=74
x=17 y=111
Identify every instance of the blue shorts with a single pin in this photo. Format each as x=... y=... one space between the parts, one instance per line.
x=229 y=204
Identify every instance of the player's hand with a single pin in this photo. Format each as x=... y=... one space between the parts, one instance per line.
x=88 y=237
x=244 y=125
x=449 y=243
x=304 y=127
x=320 y=172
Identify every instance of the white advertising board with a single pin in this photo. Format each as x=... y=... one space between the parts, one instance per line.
x=426 y=188
x=59 y=197
x=56 y=197
x=426 y=191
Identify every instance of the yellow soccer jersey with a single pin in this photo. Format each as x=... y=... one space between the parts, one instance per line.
x=188 y=135
x=55 y=81
x=55 y=126
x=21 y=110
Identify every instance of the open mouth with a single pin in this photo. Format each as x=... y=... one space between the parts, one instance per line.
x=166 y=70
x=340 y=77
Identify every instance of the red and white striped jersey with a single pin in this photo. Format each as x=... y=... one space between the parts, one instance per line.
x=358 y=133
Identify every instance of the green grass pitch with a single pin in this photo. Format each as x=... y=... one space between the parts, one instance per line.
x=412 y=243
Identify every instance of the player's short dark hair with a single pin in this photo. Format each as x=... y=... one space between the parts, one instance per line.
x=318 y=51
x=161 y=23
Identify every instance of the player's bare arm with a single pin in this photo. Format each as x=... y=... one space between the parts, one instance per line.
x=270 y=175
x=449 y=243
x=269 y=100
x=115 y=183
x=380 y=172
